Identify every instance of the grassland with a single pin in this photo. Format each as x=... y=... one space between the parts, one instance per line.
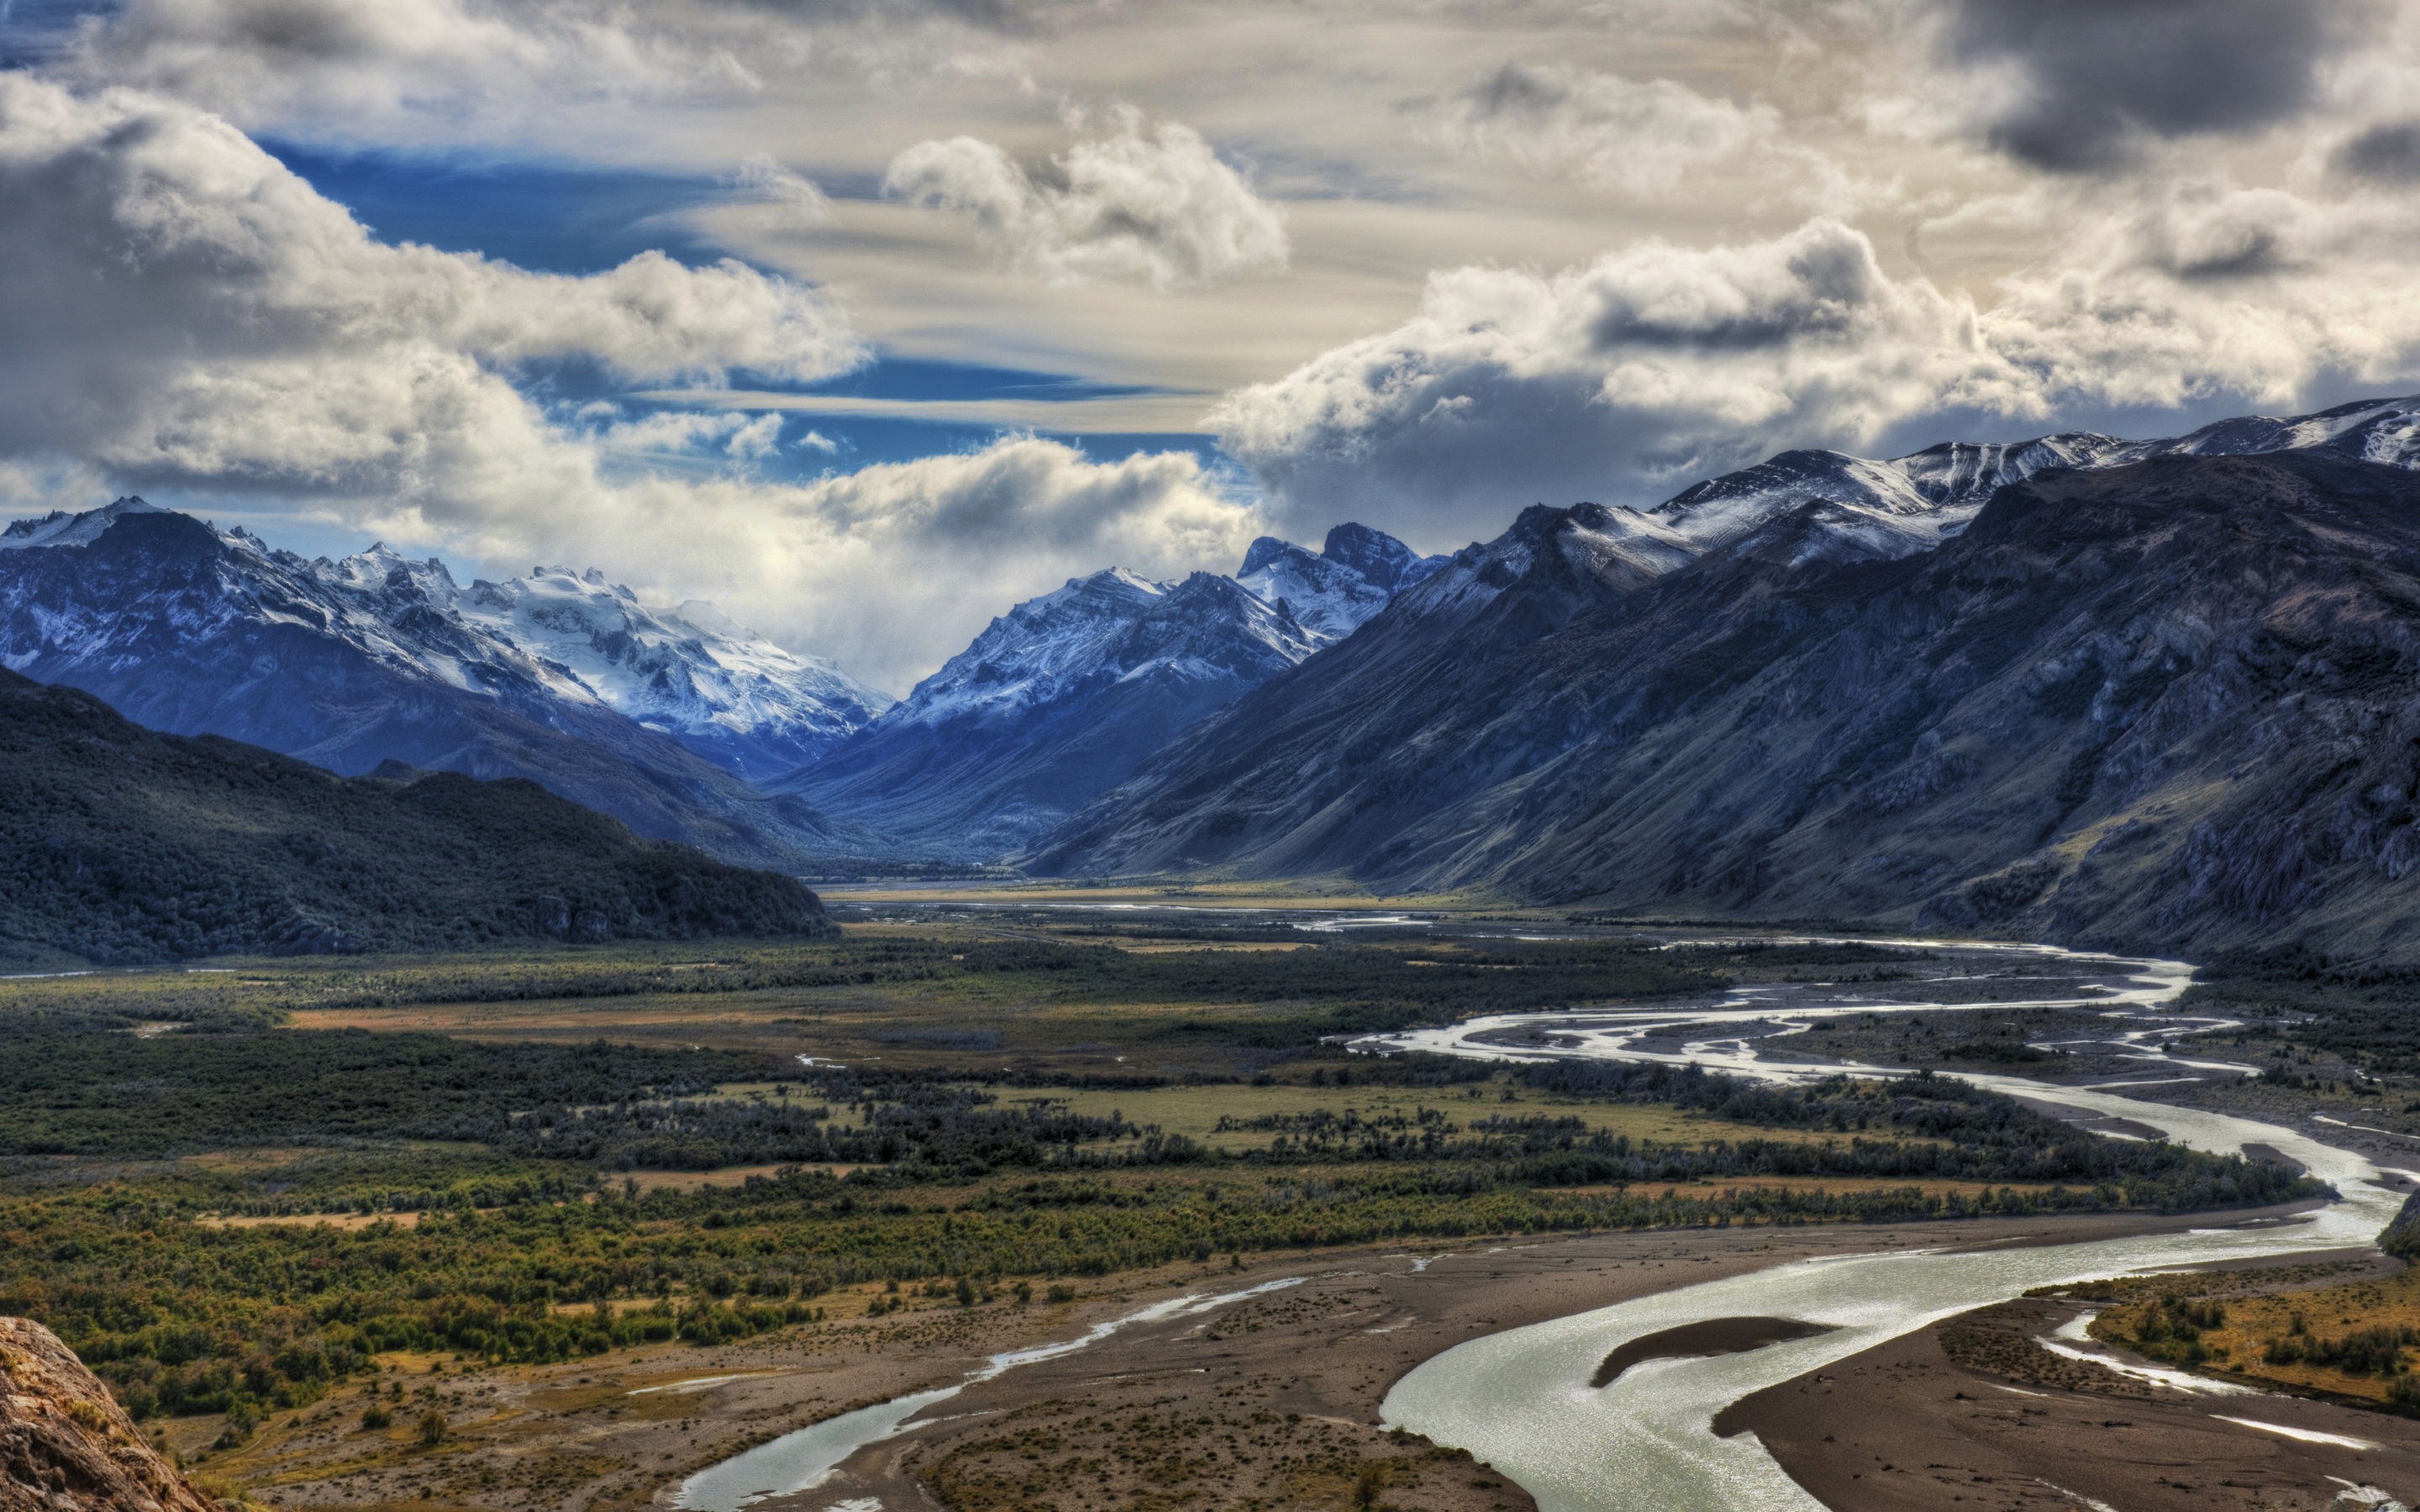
x=2354 y=1342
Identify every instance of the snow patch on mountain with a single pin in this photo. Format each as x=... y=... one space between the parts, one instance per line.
x=1356 y=572
x=730 y=695
x=734 y=697
x=1901 y=506
x=59 y=527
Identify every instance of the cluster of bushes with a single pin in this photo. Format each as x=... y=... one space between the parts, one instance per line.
x=1927 y=1127
x=2365 y=1351
x=118 y=1094
x=189 y=1318
x=940 y=1130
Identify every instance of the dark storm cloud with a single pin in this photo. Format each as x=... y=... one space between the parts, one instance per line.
x=2091 y=81
x=2389 y=154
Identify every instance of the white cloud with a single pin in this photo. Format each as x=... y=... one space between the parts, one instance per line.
x=889 y=569
x=1642 y=140
x=182 y=311
x=1147 y=203
x=1657 y=365
x=763 y=179
x=470 y=71
x=178 y=303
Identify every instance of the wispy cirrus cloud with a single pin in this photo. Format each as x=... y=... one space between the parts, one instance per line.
x=1639 y=138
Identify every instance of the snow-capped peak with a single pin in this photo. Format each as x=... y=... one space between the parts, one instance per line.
x=557 y=637
x=1899 y=505
x=752 y=707
x=59 y=527
x=1334 y=592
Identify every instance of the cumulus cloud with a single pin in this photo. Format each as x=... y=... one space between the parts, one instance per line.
x=2076 y=86
x=889 y=569
x=178 y=303
x=1147 y=202
x=1659 y=364
x=1654 y=363
x=180 y=311
x=1641 y=140
x=465 y=69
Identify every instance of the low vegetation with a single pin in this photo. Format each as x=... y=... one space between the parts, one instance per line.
x=223 y=1214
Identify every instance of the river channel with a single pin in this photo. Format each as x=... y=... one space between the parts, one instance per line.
x=1522 y=1400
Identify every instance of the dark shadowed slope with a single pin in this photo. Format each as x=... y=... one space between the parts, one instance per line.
x=2175 y=703
x=121 y=844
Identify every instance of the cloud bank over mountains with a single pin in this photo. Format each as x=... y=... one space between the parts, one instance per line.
x=1412 y=265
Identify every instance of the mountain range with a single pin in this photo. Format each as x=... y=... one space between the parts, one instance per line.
x=2123 y=693
x=2080 y=687
x=1059 y=699
x=560 y=679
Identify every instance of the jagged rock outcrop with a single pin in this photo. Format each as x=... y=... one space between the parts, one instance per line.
x=64 y=1444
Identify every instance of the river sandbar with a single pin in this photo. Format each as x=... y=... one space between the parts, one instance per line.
x=1904 y=1427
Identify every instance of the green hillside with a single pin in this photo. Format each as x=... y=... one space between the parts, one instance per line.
x=122 y=845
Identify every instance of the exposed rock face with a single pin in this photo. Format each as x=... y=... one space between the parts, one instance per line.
x=65 y=1445
x=2173 y=704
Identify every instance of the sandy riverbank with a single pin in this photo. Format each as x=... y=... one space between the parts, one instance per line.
x=1913 y=1425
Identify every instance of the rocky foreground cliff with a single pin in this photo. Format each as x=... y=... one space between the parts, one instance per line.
x=2172 y=704
x=64 y=1444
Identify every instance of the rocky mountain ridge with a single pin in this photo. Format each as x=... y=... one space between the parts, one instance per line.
x=2160 y=703
x=374 y=659
x=1061 y=697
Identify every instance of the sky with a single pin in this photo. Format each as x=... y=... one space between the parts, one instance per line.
x=868 y=318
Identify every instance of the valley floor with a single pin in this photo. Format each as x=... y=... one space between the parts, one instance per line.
x=1268 y=1402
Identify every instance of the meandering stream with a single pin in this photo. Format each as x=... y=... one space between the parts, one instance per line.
x=801 y=1460
x=1521 y=1399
